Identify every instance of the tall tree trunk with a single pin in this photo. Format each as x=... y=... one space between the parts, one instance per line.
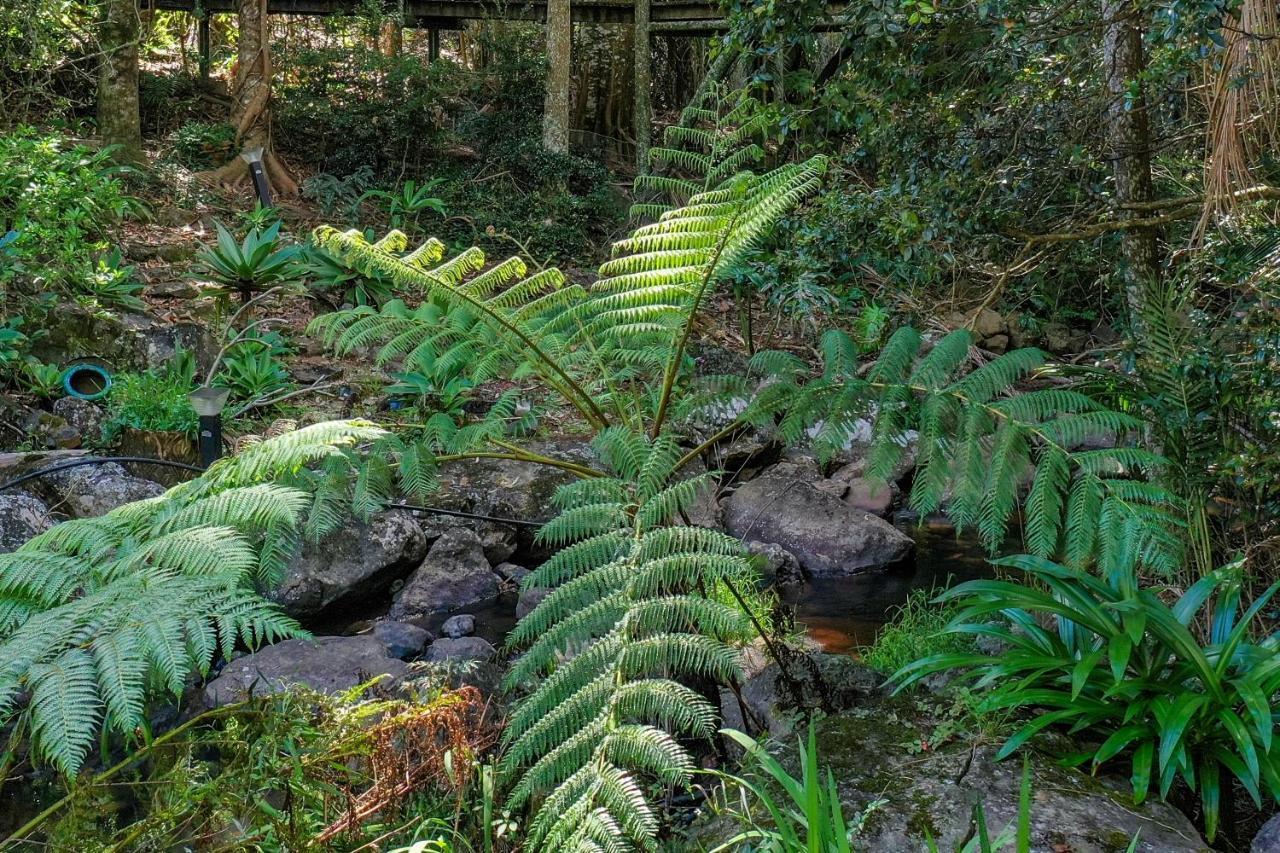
x=251 y=108
x=555 y=117
x=119 y=115
x=1128 y=140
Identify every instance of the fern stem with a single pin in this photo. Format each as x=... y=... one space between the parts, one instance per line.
x=730 y=428
x=572 y=467
x=583 y=402
x=677 y=354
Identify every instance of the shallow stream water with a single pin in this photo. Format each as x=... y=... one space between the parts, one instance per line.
x=846 y=613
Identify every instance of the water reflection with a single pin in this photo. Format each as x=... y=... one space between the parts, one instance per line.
x=846 y=613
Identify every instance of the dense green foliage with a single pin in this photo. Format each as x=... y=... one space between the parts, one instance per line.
x=1131 y=670
x=100 y=615
x=156 y=400
x=63 y=202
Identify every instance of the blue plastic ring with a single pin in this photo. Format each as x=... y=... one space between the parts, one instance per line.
x=70 y=374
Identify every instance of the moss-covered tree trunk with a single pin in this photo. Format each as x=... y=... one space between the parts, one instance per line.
x=119 y=115
x=555 y=117
x=1128 y=139
x=251 y=107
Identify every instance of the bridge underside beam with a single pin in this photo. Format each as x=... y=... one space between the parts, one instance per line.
x=437 y=13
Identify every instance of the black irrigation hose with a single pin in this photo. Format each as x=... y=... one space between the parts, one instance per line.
x=98 y=460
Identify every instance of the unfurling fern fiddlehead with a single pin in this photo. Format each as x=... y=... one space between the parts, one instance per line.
x=630 y=604
x=99 y=615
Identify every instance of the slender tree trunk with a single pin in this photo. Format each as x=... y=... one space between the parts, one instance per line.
x=555 y=117
x=1128 y=139
x=251 y=108
x=119 y=115
x=642 y=109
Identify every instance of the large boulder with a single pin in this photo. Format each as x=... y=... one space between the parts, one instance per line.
x=777 y=698
x=357 y=561
x=89 y=491
x=1267 y=839
x=504 y=487
x=460 y=649
x=932 y=792
x=826 y=535
x=21 y=517
x=885 y=750
x=325 y=664
x=455 y=574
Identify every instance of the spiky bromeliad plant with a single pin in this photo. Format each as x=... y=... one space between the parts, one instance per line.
x=100 y=615
x=1129 y=670
x=616 y=353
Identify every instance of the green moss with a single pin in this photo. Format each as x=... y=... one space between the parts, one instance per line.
x=920 y=821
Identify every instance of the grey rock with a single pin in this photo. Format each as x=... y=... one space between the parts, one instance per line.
x=402 y=639
x=455 y=574
x=869 y=741
x=998 y=344
x=511 y=572
x=498 y=541
x=358 y=560
x=987 y=323
x=85 y=416
x=826 y=535
x=22 y=516
x=776 y=699
x=325 y=664
x=777 y=564
x=1268 y=838
x=462 y=648
x=530 y=598
x=461 y=625
x=173 y=289
x=935 y=791
x=93 y=490
x=744 y=455
x=869 y=495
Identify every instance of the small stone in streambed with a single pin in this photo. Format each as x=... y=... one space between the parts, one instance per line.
x=462 y=625
x=511 y=572
x=529 y=600
x=777 y=563
x=461 y=648
x=402 y=639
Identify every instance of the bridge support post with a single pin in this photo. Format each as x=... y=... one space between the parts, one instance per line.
x=433 y=44
x=555 y=118
x=642 y=109
x=204 y=44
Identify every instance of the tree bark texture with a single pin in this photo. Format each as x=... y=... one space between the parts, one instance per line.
x=251 y=105
x=1128 y=139
x=119 y=113
x=555 y=117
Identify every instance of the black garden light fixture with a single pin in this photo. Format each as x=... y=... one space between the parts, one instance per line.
x=253 y=156
x=208 y=402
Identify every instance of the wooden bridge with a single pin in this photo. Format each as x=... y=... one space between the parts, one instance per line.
x=647 y=17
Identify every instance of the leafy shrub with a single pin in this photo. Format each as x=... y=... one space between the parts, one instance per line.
x=156 y=400
x=257 y=263
x=342 y=757
x=808 y=817
x=918 y=630
x=203 y=145
x=252 y=368
x=61 y=202
x=1128 y=669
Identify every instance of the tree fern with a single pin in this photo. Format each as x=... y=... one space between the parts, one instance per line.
x=629 y=616
x=602 y=349
x=718 y=136
x=98 y=616
x=981 y=439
